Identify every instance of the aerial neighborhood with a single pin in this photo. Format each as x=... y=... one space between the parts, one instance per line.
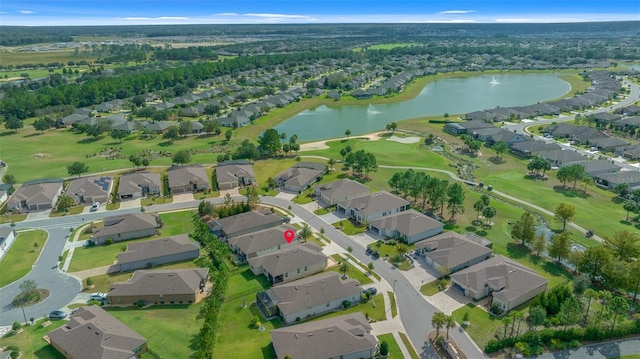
x=290 y=191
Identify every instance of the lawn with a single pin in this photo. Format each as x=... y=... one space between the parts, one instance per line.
x=352 y=272
x=22 y=255
x=392 y=304
x=374 y=308
x=161 y=325
x=8 y=218
x=430 y=288
x=91 y=257
x=394 y=349
x=31 y=343
x=408 y=345
x=483 y=326
x=364 y=267
x=349 y=227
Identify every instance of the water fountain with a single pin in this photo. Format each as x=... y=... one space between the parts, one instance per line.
x=494 y=81
x=372 y=110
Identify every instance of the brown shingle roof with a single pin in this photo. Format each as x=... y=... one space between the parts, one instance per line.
x=92 y=333
x=156 y=248
x=374 y=203
x=341 y=188
x=131 y=182
x=183 y=176
x=328 y=338
x=128 y=223
x=289 y=259
x=245 y=221
x=42 y=193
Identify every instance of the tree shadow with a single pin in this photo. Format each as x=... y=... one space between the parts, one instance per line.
x=8 y=133
x=36 y=134
x=165 y=144
x=569 y=192
x=625 y=222
x=536 y=177
x=496 y=160
x=516 y=251
x=88 y=140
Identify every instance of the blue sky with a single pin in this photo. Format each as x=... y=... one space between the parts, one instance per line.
x=121 y=12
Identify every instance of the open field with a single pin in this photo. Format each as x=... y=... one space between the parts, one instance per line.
x=161 y=325
x=22 y=255
x=31 y=343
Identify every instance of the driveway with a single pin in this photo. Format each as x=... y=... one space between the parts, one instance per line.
x=182 y=197
x=286 y=195
x=134 y=203
x=34 y=216
x=449 y=300
x=332 y=217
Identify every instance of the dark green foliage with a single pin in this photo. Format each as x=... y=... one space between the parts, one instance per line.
x=384 y=348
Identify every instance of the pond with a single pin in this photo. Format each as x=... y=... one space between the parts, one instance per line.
x=452 y=95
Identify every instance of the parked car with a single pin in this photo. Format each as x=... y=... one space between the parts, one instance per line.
x=57 y=314
x=371 y=291
x=95 y=206
x=98 y=296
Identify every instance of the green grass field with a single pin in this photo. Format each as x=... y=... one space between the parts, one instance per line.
x=394 y=348
x=31 y=343
x=483 y=326
x=168 y=329
x=22 y=255
x=352 y=272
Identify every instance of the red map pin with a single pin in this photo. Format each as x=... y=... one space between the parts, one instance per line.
x=289 y=235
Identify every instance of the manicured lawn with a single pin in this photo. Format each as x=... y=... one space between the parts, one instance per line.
x=392 y=304
x=91 y=257
x=353 y=272
x=31 y=343
x=157 y=200
x=162 y=325
x=21 y=256
x=483 y=326
x=349 y=227
x=408 y=345
x=394 y=349
x=430 y=288
x=364 y=267
x=374 y=307
x=8 y=218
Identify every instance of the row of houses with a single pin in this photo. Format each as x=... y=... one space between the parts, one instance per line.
x=603 y=88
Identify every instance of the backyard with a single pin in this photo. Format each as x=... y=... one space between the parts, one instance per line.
x=24 y=252
x=30 y=341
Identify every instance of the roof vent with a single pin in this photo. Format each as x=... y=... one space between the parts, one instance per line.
x=309 y=334
x=330 y=330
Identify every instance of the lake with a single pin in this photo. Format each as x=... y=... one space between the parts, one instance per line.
x=452 y=95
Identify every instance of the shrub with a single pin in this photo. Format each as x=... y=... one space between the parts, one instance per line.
x=16 y=325
x=108 y=241
x=346 y=304
x=60 y=258
x=384 y=348
x=556 y=344
x=89 y=282
x=255 y=322
x=15 y=351
x=140 y=303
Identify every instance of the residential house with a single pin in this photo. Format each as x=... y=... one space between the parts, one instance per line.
x=308 y=297
x=333 y=192
x=125 y=227
x=188 y=179
x=139 y=184
x=507 y=282
x=459 y=128
x=35 y=197
x=7 y=237
x=158 y=127
x=261 y=242
x=92 y=333
x=290 y=263
x=345 y=337
x=450 y=252
x=360 y=94
x=561 y=158
x=334 y=95
x=155 y=252
x=90 y=189
x=235 y=121
x=611 y=180
x=508 y=137
x=598 y=167
x=608 y=143
x=300 y=177
x=410 y=226
x=529 y=149
x=373 y=206
x=605 y=118
x=160 y=286
x=232 y=174
x=243 y=223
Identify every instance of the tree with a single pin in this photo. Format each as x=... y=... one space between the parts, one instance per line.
x=347 y=133
x=13 y=123
x=269 y=142
x=455 y=200
x=633 y=282
x=138 y=100
x=402 y=249
x=89 y=282
x=539 y=243
x=253 y=198
x=9 y=179
x=618 y=306
x=594 y=262
x=64 y=203
x=370 y=267
x=283 y=137
x=185 y=127
x=537 y=315
x=305 y=232
x=450 y=323
x=344 y=268
x=77 y=168
x=438 y=321
x=331 y=162
x=227 y=135
x=384 y=348
x=524 y=229
x=560 y=246
x=479 y=207
x=589 y=294
x=42 y=124
x=489 y=213
x=624 y=245
x=500 y=148
x=570 y=312
x=118 y=135
x=171 y=134
x=181 y=157
x=629 y=206
x=27 y=285
x=564 y=213
x=622 y=190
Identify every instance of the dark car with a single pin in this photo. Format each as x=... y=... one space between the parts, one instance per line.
x=371 y=291
x=57 y=314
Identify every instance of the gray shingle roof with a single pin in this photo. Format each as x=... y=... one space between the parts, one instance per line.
x=245 y=221
x=289 y=259
x=90 y=187
x=374 y=203
x=92 y=333
x=409 y=223
x=328 y=338
x=298 y=176
x=231 y=172
x=341 y=188
x=261 y=240
x=128 y=223
x=42 y=193
x=452 y=249
x=161 y=281
x=156 y=248
x=183 y=176
x=131 y=182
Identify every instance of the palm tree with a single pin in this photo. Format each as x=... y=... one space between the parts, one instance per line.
x=402 y=249
x=506 y=321
x=450 y=323
x=305 y=232
x=488 y=213
x=344 y=268
x=589 y=294
x=438 y=321
x=479 y=207
x=331 y=162
x=604 y=296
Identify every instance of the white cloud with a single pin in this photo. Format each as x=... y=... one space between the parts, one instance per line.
x=449 y=12
x=279 y=16
x=161 y=18
x=226 y=14
x=26 y=12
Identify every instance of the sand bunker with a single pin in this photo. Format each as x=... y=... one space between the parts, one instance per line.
x=404 y=139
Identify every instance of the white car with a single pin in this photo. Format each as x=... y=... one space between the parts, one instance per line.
x=98 y=296
x=95 y=206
